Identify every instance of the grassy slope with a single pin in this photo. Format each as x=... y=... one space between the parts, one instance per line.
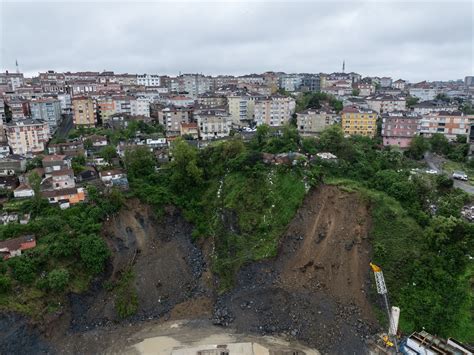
x=394 y=240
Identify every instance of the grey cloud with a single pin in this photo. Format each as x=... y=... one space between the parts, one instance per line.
x=414 y=40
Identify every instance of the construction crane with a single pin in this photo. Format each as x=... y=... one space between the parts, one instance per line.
x=391 y=313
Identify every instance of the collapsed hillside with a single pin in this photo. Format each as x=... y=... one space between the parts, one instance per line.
x=313 y=291
x=316 y=288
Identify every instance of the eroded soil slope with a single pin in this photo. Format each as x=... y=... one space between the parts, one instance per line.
x=167 y=267
x=315 y=289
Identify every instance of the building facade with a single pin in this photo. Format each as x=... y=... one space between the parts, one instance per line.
x=450 y=124
x=399 y=128
x=83 y=111
x=275 y=110
x=359 y=121
x=213 y=123
x=48 y=110
x=386 y=103
x=313 y=121
x=27 y=136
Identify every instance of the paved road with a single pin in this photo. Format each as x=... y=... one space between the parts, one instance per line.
x=435 y=162
x=64 y=127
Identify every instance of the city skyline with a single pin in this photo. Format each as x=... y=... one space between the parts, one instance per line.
x=415 y=41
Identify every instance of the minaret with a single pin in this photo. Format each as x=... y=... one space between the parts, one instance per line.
x=17 y=68
x=343 y=66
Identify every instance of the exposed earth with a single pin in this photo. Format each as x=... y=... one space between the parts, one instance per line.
x=314 y=292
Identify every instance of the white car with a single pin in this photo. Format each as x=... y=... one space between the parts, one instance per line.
x=432 y=171
x=460 y=175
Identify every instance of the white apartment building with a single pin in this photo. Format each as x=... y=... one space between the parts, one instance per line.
x=140 y=107
x=148 y=79
x=27 y=136
x=274 y=110
x=386 y=103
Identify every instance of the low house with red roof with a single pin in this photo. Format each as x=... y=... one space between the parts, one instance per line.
x=13 y=247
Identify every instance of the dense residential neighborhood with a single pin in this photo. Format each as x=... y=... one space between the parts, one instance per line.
x=54 y=116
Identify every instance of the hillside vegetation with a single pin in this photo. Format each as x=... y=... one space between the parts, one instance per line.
x=243 y=206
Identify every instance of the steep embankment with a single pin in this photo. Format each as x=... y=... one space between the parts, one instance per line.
x=315 y=289
x=155 y=267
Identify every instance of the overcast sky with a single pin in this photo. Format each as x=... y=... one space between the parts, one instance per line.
x=413 y=40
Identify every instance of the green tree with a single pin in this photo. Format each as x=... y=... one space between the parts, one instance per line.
x=108 y=153
x=332 y=139
x=58 y=279
x=418 y=146
x=94 y=252
x=23 y=269
x=439 y=143
x=139 y=162
x=184 y=167
x=5 y=284
x=412 y=101
x=262 y=134
x=355 y=92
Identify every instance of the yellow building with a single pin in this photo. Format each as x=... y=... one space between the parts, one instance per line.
x=359 y=121
x=83 y=111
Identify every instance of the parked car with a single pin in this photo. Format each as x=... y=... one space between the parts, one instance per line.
x=460 y=175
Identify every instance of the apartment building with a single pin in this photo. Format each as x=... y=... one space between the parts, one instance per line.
x=48 y=110
x=241 y=106
x=52 y=82
x=148 y=79
x=140 y=106
x=11 y=81
x=399 y=128
x=18 y=108
x=359 y=121
x=399 y=84
x=275 y=110
x=211 y=99
x=450 y=124
x=386 y=103
x=291 y=82
x=105 y=108
x=313 y=121
x=426 y=107
x=171 y=117
x=27 y=136
x=213 y=123
x=424 y=91
x=83 y=111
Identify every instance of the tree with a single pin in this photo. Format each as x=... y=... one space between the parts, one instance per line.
x=139 y=162
x=5 y=284
x=332 y=139
x=439 y=143
x=94 y=252
x=418 y=146
x=108 y=153
x=262 y=134
x=412 y=101
x=184 y=166
x=58 y=279
x=461 y=138
x=355 y=92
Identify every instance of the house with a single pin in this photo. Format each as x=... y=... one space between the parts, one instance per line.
x=426 y=107
x=424 y=91
x=365 y=89
x=114 y=177
x=13 y=247
x=314 y=121
x=55 y=162
x=171 y=117
x=23 y=191
x=12 y=164
x=70 y=195
x=62 y=179
x=8 y=182
x=70 y=149
x=190 y=129
x=97 y=141
x=6 y=218
x=211 y=99
x=88 y=174
x=358 y=121
x=399 y=84
x=399 y=128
